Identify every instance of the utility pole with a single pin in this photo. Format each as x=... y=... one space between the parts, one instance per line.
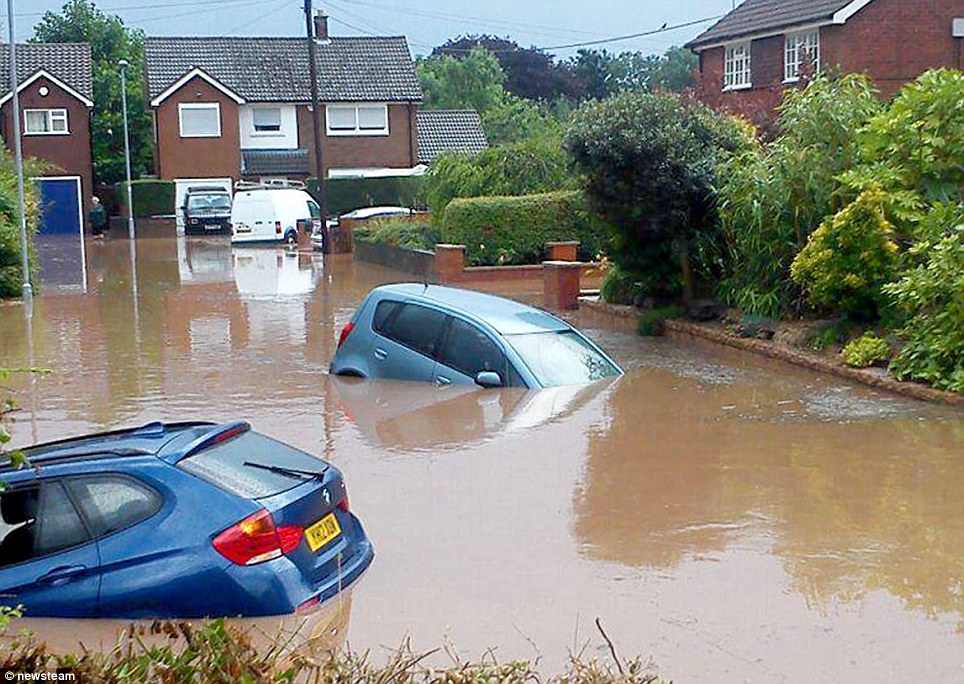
x=18 y=153
x=123 y=64
x=316 y=115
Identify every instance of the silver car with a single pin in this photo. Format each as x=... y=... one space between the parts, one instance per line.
x=449 y=336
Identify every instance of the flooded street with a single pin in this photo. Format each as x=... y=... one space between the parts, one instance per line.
x=732 y=518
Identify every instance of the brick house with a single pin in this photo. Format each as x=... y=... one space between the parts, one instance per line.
x=234 y=108
x=763 y=46
x=56 y=98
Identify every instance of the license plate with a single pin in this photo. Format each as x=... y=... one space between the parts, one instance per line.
x=323 y=532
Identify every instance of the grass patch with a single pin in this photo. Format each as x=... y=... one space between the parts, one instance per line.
x=217 y=653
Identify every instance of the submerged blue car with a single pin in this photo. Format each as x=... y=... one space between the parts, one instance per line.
x=450 y=336
x=182 y=520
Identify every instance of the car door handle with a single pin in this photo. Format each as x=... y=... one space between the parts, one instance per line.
x=380 y=354
x=61 y=575
x=441 y=381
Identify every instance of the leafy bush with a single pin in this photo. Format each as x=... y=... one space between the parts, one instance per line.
x=343 y=195
x=399 y=233
x=865 y=351
x=151 y=197
x=921 y=136
x=652 y=321
x=649 y=162
x=11 y=266
x=515 y=230
x=849 y=258
x=532 y=166
x=619 y=287
x=772 y=197
x=932 y=296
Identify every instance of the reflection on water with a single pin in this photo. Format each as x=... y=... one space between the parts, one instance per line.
x=735 y=518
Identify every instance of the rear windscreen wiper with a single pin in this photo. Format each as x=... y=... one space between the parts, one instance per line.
x=289 y=472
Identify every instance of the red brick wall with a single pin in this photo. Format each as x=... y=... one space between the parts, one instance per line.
x=67 y=155
x=179 y=157
x=893 y=41
x=395 y=150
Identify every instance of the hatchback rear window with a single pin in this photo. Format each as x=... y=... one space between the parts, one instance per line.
x=242 y=466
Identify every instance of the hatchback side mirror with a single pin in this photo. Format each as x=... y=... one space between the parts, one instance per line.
x=488 y=380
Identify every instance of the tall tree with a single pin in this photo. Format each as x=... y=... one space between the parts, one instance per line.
x=110 y=40
x=530 y=73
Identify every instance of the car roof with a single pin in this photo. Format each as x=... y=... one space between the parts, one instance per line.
x=506 y=316
x=145 y=440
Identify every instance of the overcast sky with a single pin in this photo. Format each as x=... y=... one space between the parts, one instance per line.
x=426 y=23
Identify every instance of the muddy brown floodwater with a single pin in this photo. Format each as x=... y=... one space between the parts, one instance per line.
x=731 y=518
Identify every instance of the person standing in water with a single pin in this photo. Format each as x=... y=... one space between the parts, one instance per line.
x=98 y=218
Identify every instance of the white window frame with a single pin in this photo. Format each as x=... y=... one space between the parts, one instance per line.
x=737 y=66
x=357 y=130
x=187 y=106
x=58 y=113
x=794 y=45
x=279 y=133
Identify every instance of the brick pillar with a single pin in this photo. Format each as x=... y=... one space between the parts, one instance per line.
x=449 y=262
x=562 y=251
x=561 y=284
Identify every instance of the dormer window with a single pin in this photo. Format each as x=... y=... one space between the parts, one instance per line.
x=736 y=67
x=800 y=49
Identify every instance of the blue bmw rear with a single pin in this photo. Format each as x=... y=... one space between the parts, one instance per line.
x=176 y=521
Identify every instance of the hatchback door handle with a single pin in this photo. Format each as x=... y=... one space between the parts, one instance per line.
x=442 y=380
x=381 y=354
x=61 y=575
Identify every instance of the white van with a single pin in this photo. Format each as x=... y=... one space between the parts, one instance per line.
x=272 y=215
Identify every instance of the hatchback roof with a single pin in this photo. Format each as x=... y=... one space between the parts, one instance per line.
x=508 y=317
x=145 y=440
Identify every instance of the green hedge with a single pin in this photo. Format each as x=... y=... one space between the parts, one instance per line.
x=404 y=233
x=151 y=197
x=347 y=194
x=515 y=230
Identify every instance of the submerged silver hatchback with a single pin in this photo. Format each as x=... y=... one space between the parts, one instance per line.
x=445 y=335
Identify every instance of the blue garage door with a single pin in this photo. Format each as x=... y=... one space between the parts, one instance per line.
x=60 y=198
x=60 y=240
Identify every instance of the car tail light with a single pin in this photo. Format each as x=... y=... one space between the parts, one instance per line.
x=343 y=505
x=277 y=227
x=256 y=539
x=345 y=332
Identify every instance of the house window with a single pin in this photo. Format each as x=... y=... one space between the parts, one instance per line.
x=45 y=122
x=736 y=67
x=801 y=48
x=200 y=119
x=357 y=119
x=267 y=119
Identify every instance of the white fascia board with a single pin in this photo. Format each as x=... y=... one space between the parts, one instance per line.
x=195 y=72
x=842 y=15
x=53 y=79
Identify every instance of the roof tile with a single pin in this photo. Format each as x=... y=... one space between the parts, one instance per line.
x=755 y=16
x=67 y=62
x=449 y=130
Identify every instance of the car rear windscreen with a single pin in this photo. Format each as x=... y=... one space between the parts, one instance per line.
x=241 y=466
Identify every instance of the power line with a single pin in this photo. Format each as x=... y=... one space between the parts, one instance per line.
x=137 y=8
x=274 y=10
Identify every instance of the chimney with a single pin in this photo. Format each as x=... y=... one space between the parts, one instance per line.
x=321 y=27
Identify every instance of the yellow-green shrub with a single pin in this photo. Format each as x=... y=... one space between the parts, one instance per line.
x=865 y=351
x=849 y=258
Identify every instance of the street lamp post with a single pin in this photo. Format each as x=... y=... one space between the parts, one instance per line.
x=18 y=153
x=127 y=148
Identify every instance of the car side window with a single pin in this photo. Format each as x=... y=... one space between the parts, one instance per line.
x=416 y=327
x=111 y=503
x=314 y=210
x=59 y=525
x=470 y=351
x=36 y=523
x=383 y=314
